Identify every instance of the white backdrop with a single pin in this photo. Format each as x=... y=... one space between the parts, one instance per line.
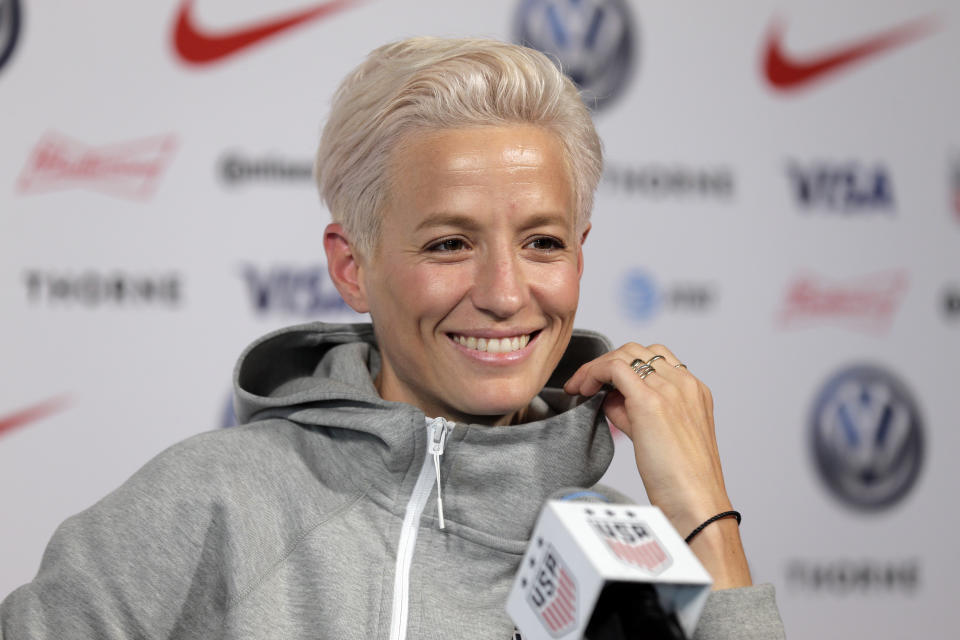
x=157 y=214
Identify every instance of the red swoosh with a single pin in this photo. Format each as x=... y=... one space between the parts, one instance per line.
x=786 y=72
x=199 y=47
x=30 y=414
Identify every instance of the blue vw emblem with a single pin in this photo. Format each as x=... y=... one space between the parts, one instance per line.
x=867 y=437
x=592 y=40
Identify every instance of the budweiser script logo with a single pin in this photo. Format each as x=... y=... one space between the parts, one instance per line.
x=867 y=303
x=128 y=169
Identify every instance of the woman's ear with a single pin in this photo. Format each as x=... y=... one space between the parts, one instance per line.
x=583 y=238
x=345 y=267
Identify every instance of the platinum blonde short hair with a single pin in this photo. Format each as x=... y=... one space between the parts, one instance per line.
x=430 y=83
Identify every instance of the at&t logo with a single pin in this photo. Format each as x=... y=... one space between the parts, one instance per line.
x=643 y=298
x=867 y=437
x=592 y=40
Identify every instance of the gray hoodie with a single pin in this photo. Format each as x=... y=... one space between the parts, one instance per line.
x=319 y=517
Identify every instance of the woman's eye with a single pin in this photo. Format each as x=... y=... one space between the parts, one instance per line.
x=545 y=243
x=450 y=244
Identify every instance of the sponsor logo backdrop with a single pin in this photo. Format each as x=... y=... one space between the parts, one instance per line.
x=780 y=207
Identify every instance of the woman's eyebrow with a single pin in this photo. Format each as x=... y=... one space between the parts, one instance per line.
x=448 y=219
x=463 y=221
x=546 y=219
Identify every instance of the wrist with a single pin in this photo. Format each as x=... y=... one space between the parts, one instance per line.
x=689 y=512
x=731 y=513
x=719 y=548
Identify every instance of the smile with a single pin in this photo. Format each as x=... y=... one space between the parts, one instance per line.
x=493 y=345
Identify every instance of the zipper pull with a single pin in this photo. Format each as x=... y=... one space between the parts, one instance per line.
x=439 y=429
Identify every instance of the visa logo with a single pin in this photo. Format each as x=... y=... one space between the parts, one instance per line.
x=303 y=291
x=842 y=187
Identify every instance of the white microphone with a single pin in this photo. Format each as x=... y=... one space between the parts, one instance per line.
x=605 y=571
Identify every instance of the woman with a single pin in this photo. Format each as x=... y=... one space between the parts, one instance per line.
x=388 y=477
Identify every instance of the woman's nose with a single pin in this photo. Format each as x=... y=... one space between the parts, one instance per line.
x=500 y=287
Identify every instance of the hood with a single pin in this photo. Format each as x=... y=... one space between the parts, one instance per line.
x=321 y=376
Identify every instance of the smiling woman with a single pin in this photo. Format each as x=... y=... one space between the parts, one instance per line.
x=474 y=294
x=460 y=178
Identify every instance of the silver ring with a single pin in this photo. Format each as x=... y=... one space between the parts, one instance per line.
x=646 y=371
x=637 y=364
x=679 y=364
x=651 y=360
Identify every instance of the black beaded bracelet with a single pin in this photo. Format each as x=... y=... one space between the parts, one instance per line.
x=719 y=516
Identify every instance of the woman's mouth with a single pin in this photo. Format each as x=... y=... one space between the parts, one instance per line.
x=506 y=344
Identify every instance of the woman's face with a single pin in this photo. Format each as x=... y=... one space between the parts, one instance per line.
x=474 y=284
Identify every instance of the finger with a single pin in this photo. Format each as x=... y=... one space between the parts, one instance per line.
x=627 y=353
x=660 y=358
x=661 y=350
x=574 y=384
x=662 y=376
x=612 y=368
x=669 y=356
x=627 y=382
x=667 y=363
x=594 y=376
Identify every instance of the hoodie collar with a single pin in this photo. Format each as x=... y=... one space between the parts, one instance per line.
x=495 y=479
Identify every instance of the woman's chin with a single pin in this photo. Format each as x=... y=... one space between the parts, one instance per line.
x=494 y=413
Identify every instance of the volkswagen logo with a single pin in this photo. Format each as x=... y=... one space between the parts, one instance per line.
x=591 y=40
x=867 y=437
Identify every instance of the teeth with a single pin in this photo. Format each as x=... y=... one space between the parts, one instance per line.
x=494 y=345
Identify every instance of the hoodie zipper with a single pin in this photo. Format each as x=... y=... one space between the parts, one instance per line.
x=437 y=431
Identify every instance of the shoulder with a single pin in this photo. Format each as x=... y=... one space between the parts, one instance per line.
x=186 y=535
x=222 y=505
x=267 y=468
x=256 y=485
x=227 y=455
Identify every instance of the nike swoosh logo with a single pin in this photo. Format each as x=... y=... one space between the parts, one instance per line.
x=786 y=72
x=196 y=46
x=32 y=414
